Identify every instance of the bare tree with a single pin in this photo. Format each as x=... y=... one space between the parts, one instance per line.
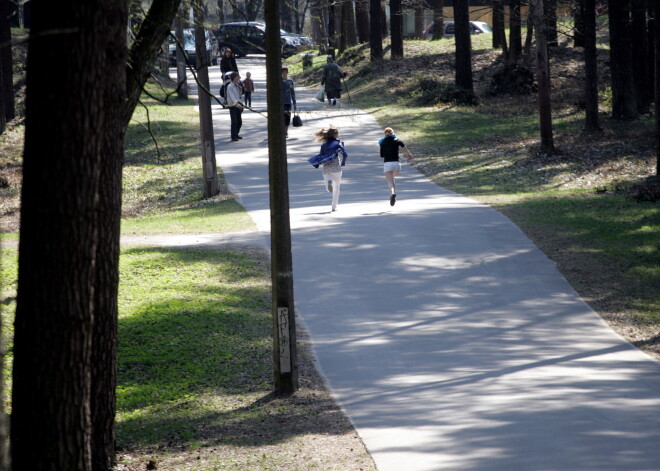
x=624 y=104
x=642 y=76
x=499 y=35
x=438 y=19
x=419 y=18
x=515 y=33
x=362 y=20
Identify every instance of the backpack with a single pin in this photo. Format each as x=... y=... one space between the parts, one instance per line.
x=222 y=91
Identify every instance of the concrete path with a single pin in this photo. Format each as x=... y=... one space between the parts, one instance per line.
x=449 y=339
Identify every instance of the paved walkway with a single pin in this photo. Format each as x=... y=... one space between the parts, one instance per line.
x=449 y=339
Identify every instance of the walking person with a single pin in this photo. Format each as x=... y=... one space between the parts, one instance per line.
x=235 y=106
x=329 y=159
x=289 y=98
x=331 y=80
x=389 y=151
x=228 y=62
x=248 y=89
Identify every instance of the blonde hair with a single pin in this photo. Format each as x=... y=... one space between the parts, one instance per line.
x=326 y=134
x=388 y=131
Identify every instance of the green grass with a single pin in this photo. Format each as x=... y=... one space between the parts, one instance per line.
x=194 y=329
x=163 y=182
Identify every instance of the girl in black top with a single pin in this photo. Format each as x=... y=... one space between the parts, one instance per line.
x=389 y=151
x=228 y=62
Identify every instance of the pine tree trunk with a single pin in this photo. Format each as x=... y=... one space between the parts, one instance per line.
x=7 y=102
x=396 y=29
x=578 y=15
x=641 y=67
x=543 y=78
x=375 y=38
x=419 y=19
x=550 y=24
x=362 y=20
x=656 y=29
x=58 y=266
x=438 y=19
x=590 y=66
x=463 y=46
x=624 y=103
x=515 y=33
x=498 y=24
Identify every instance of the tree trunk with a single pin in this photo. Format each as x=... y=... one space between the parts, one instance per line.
x=150 y=37
x=362 y=20
x=284 y=326
x=590 y=66
x=351 y=28
x=543 y=78
x=656 y=29
x=579 y=29
x=340 y=26
x=332 y=29
x=419 y=19
x=438 y=19
x=550 y=22
x=221 y=11
x=463 y=46
x=396 y=29
x=286 y=15
x=375 y=38
x=515 y=33
x=641 y=67
x=316 y=20
x=624 y=103
x=61 y=204
x=181 y=79
x=499 y=35
x=7 y=107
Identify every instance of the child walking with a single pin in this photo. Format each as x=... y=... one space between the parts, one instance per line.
x=248 y=88
x=389 y=151
x=329 y=159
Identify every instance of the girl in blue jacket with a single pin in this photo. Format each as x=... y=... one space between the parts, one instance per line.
x=329 y=159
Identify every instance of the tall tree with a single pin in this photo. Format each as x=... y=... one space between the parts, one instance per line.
x=515 y=32
x=590 y=65
x=640 y=46
x=181 y=77
x=463 y=46
x=362 y=20
x=8 y=107
x=286 y=14
x=438 y=19
x=543 y=78
x=396 y=29
x=63 y=158
x=419 y=18
x=578 y=17
x=550 y=16
x=656 y=29
x=375 y=38
x=499 y=35
x=221 y=11
x=319 y=35
x=624 y=103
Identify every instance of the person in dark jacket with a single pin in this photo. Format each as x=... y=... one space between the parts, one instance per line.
x=289 y=98
x=331 y=80
x=389 y=151
x=228 y=62
x=328 y=157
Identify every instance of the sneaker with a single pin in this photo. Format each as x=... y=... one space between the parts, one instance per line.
x=330 y=186
x=393 y=199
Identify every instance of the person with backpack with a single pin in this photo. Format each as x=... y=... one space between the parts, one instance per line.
x=389 y=151
x=331 y=80
x=328 y=157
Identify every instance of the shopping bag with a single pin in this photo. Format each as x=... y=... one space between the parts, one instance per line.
x=320 y=96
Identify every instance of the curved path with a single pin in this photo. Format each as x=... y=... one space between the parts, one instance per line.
x=449 y=339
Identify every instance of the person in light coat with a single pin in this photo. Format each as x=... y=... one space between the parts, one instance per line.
x=235 y=106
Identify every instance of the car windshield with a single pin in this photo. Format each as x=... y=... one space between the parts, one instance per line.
x=485 y=28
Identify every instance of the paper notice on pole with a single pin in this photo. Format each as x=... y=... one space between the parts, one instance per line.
x=285 y=345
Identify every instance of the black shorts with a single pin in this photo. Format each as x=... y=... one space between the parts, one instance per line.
x=287 y=115
x=333 y=94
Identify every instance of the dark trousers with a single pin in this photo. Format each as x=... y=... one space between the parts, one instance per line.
x=236 y=121
x=248 y=98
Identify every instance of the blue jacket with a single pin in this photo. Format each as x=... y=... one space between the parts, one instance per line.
x=329 y=150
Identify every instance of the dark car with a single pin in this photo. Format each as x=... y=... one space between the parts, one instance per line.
x=189 y=47
x=476 y=27
x=249 y=37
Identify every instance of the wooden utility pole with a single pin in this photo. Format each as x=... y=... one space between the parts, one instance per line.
x=543 y=79
x=285 y=360
x=210 y=171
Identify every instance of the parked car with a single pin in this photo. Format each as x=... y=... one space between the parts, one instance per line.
x=189 y=46
x=249 y=37
x=477 y=27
